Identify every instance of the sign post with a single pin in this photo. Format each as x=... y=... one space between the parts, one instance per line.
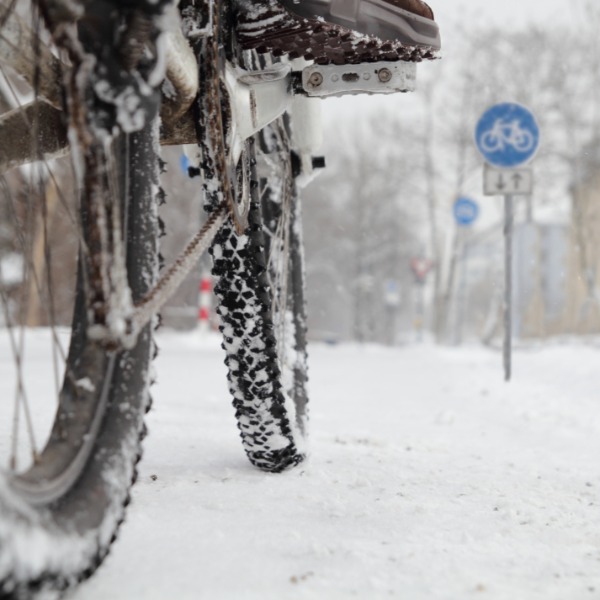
x=420 y=267
x=465 y=212
x=392 y=300
x=508 y=287
x=507 y=135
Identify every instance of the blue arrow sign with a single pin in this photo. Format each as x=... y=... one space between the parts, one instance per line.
x=507 y=135
x=465 y=211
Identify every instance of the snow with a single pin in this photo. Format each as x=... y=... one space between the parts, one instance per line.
x=552 y=214
x=429 y=478
x=11 y=269
x=85 y=384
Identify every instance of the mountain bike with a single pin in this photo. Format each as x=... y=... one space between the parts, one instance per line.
x=89 y=91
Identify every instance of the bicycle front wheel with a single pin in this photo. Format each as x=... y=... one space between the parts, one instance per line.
x=257 y=261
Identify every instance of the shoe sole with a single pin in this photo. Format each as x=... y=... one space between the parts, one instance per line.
x=286 y=28
x=372 y=17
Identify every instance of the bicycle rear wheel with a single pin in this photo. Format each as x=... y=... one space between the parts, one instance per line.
x=260 y=294
x=259 y=273
x=69 y=444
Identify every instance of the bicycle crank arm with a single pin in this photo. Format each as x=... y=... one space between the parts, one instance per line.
x=258 y=98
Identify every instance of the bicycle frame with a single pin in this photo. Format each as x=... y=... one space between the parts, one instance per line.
x=256 y=98
x=255 y=124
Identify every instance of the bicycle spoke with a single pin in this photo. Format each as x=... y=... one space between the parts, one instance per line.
x=20 y=396
x=23 y=50
x=36 y=258
x=28 y=264
x=280 y=244
x=50 y=285
x=9 y=10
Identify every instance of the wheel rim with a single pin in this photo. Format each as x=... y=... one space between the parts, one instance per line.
x=282 y=226
x=43 y=460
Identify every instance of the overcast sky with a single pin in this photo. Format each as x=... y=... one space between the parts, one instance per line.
x=472 y=14
x=509 y=12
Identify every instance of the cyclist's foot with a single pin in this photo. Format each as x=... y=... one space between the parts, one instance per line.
x=340 y=31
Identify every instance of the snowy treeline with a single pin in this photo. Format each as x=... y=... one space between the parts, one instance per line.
x=392 y=179
x=393 y=173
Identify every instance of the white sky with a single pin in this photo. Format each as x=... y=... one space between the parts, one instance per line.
x=454 y=18
x=513 y=13
x=452 y=15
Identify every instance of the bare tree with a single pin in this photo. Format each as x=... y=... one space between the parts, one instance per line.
x=358 y=223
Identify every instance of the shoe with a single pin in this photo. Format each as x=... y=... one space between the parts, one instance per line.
x=339 y=31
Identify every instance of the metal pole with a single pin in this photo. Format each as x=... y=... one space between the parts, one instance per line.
x=462 y=290
x=421 y=309
x=508 y=238
x=391 y=324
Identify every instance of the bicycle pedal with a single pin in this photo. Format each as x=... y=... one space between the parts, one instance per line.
x=364 y=78
x=270 y=28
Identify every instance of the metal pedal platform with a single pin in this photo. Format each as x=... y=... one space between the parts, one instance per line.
x=321 y=81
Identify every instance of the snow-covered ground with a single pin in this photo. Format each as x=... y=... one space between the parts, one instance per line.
x=429 y=478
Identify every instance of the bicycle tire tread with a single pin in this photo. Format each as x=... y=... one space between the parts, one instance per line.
x=251 y=348
x=270 y=28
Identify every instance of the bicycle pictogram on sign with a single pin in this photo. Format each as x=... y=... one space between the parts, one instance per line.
x=507 y=135
x=504 y=134
x=465 y=211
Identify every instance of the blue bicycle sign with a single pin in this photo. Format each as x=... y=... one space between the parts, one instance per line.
x=507 y=135
x=465 y=211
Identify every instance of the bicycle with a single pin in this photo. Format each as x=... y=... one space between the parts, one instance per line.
x=232 y=92
x=504 y=134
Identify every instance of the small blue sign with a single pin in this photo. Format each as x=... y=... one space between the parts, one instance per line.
x=184 y=163
x=465 y=211
x=507 y=135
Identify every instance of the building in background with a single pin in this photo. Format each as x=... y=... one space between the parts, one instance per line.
x=583 y=310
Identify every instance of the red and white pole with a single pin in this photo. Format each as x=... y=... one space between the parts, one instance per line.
x=204 y=303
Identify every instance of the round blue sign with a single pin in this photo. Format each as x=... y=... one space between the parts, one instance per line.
x=465 y=211
x=507 y=135
x=184 y=163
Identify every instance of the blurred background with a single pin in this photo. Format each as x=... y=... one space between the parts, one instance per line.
x=386 y=261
